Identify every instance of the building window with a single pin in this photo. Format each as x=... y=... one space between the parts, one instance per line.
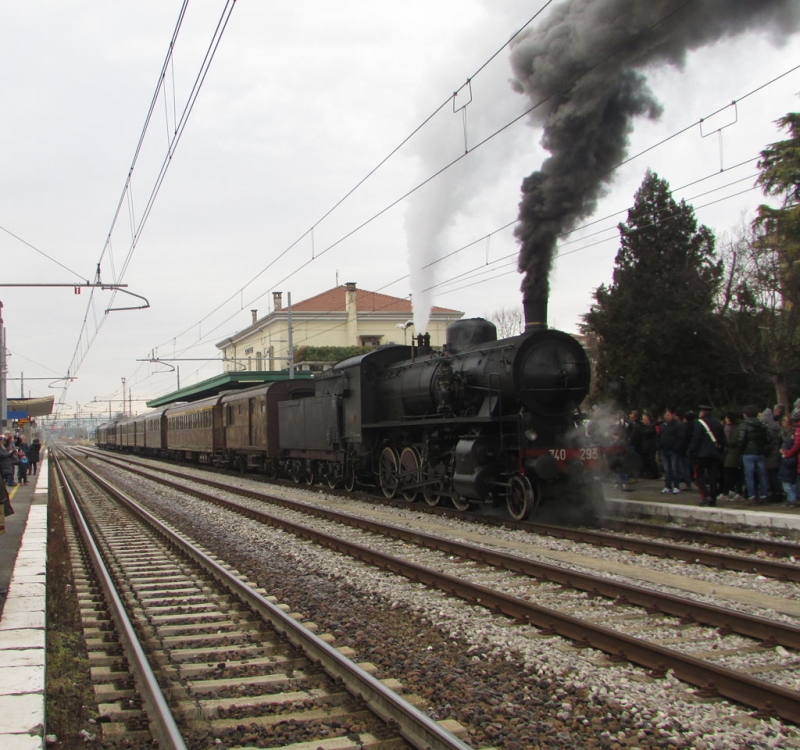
x=372 y=341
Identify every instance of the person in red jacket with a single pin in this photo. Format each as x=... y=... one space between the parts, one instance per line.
x=794 y=450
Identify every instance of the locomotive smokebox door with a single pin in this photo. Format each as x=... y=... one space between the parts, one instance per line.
x=473 y=477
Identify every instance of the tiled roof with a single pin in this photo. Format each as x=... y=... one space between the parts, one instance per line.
x=335 y=300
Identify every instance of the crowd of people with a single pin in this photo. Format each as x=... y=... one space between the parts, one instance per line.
x=750 y=455
x=18 y=460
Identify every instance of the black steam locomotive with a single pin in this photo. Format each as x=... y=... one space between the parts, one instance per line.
x=481 y=422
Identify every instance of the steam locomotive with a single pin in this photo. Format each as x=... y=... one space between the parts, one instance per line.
x=483 y=422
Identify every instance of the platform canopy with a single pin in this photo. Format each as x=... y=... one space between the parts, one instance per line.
x=35 y=407
x=227 y=381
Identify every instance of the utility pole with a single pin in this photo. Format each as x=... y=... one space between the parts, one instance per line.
x=289 y=335
x=123 y=396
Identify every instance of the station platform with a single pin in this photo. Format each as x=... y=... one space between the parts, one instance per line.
x=646 y=501
x=23 y=569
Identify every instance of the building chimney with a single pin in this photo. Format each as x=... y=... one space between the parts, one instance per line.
x=535 y=311
x=352 y=313
x=254 y=313
x=276 y=300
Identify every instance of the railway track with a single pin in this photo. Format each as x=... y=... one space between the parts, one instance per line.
x=751 y=544
x=757 y=561
x=187 y=649
x=627 y=622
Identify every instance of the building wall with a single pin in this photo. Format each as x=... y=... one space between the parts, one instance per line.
x=269 y=335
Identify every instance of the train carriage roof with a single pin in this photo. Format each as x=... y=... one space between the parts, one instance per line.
x=193 y=406
x=152 y=413
x=279 y=387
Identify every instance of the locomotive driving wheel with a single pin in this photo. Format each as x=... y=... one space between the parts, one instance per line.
x=349 y=475
x=461 y=503
x=410 y=472
x=332 y=477
x=388 y=471
x=434 y=486
x=310 y=474
x=521 y=498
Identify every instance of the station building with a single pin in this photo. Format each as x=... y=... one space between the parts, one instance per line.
x=343 y=316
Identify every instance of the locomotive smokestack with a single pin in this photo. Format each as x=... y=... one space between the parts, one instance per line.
x=535 y=311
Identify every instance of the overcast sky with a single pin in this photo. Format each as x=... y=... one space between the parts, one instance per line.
x=300 y=103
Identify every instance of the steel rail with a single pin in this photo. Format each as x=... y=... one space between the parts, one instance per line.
x=773 y=547
x=724 y=560
x=417 y=728
x=769 y=699
x=162 y=723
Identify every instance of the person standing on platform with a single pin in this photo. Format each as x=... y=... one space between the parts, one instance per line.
x=670 y=443
x=648 y=445
x=22 y=456
x=791 y=452
x=708 y=442
x=6 y=466
x=3 y=498
x=686 y=460
x=33 y=455
x=772 y=459
x=732 y=473
x=754 y=443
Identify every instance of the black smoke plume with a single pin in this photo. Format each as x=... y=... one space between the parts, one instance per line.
x=588 y=64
